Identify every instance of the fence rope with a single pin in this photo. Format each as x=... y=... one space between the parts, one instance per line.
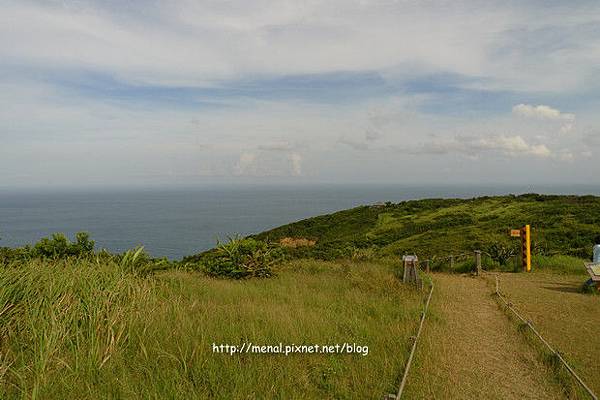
x=508 y=306
x=556 y=353
x=414 y=346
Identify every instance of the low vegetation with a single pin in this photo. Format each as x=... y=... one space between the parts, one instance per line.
x=87 y=324
x=565 y=225
x=241 y=258
x=81 y=329
x=565 y=317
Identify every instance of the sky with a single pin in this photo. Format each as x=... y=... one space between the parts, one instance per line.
x=187 y=92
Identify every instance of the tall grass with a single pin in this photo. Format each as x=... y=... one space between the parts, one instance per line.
x=559 y=264
x=63 y=319
x=89 y=330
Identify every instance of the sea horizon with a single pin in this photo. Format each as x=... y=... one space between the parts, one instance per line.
x=175 y=221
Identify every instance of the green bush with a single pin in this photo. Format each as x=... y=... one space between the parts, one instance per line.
x=501 y=253
x=59 y=246
x=366 y=254
x=138 y=262
x=242 y=258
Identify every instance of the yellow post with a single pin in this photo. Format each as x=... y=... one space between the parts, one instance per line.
x=528 y=238
x=526 y=247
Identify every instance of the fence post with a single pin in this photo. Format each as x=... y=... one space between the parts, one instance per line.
x=451 y=262
x=478 y=261
x=427 y=266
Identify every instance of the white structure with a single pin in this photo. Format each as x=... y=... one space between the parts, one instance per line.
x=596 y=258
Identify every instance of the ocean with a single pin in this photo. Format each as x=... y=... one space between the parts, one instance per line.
x=176 y=222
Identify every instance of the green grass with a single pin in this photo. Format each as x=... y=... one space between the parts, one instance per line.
x=559 y=264
x=85 y=330
x=567 y=225
x=121 y=326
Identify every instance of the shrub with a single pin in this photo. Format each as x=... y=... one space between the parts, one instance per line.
x=8 y=255
x=242 y=258
x=60 y=246
x=501 y=253
x=367 y=254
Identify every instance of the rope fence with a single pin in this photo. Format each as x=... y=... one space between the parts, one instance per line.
x=528 y=323
x=471 y=262
x=478 y=263
x=414 y=347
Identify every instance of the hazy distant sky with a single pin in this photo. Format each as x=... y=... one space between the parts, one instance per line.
x=136 y=92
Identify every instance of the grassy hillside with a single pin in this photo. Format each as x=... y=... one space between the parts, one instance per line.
x=79 y=324
x=567 y=225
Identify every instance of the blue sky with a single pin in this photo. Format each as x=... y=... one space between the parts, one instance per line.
x=186 y=92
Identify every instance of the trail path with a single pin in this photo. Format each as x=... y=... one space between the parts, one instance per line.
x=470 y=343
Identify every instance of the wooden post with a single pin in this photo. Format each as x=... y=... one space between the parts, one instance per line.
x=427 y=266
x=411 y=269
x=451 y=262
x=478 y=261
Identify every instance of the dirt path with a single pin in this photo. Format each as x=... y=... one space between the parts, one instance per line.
x=470 y=349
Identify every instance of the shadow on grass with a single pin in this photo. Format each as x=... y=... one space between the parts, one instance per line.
x=564 y=288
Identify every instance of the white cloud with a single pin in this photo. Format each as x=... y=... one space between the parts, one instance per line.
x=372 y=135
x=296 y=163
x=282 y=145
x=202 y=43
x=246 y=164
x=567 y=128
x=566 y=156
x=266 y=163
x=514 y=47
x=542 y=112
x=475 y=146
x=546 y=113
x=354 y=144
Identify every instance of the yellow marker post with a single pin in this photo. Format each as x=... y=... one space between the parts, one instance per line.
x=526 y=247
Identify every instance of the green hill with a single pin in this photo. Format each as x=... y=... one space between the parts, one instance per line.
x=567 y=225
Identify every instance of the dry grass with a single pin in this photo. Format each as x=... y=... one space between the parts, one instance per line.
x=89 y=330
x=85 y=331
x=296 y=242
x=567 y=318
x=470 y=350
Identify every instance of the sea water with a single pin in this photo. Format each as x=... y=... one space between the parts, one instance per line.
x=174 y=222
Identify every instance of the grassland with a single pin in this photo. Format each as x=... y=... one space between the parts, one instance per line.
x=75 y=323
x=472 y=351
x=565 y=225
x=566 y=317
x=81 y=330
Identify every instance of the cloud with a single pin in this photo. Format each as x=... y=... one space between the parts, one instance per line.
x=278 y=146
x=192 y=43
x=566 y=156
x=541 y=112
x=356 y=145
x=592 y=139
x=272 y=85
x=475 y=146
x=296 y=163
x=267 y=163
x=246 y=164
x=546 y=113
x=372 y=135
